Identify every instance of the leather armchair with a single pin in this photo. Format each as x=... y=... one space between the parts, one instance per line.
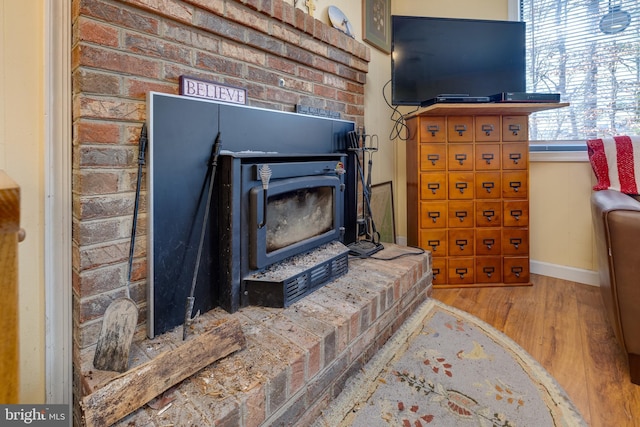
x=616 y=221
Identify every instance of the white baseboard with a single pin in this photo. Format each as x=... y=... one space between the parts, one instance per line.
x=579 y=275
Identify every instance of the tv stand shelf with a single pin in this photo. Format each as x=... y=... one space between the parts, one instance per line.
x=468 y=191
x=500 y=108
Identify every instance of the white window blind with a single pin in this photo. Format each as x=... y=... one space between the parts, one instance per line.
x=571 y=51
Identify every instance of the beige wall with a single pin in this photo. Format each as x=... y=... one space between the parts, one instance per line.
x=560 y=214
x=21 y=156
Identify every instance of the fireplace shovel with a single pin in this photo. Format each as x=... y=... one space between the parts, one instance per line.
x=121 y=317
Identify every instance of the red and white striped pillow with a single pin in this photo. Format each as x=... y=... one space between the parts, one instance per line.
x=616 y=163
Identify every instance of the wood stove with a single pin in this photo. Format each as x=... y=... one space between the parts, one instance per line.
x=282 y=216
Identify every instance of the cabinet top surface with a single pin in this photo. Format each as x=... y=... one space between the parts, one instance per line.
x=516 y=108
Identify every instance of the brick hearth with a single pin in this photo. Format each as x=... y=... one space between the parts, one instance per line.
x=295 y=360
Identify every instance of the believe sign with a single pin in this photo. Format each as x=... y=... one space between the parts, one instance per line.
x=197 y=88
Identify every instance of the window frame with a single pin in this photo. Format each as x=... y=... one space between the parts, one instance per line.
x=545 y=150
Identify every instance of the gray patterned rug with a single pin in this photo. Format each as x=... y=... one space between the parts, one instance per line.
x=445 y=367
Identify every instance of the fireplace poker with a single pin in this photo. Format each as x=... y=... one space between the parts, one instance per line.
x=213 y=162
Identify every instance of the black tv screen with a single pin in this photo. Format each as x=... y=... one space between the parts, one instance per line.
x=435 y=56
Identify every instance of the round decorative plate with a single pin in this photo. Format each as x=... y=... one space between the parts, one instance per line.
x=340 y=21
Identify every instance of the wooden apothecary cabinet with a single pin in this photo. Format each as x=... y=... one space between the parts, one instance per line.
x=468 y=191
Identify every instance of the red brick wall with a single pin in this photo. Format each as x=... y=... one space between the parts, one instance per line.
x=123 y=49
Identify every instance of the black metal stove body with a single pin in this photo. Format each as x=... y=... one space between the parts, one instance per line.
x=274 y=207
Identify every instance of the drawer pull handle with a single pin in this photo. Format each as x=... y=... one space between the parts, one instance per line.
x=433 y=186
x=433 y=129
x=516 y=242
x=460 y=129
x=461 y=186
x=461 y=215
x=488 y=271
x=461 y=272
x=434 y=244
x=435 y=272
x=515 y=185
x=461 y=243
x=516 y=270
x=433 y=158
x=488 y=243
x=488 y=214
x=461 y=158
x=516 y=213
x=487 y=129
x=488 y=186
x=487 y=157
x=515 y=128
x=515 y=157
x=434 y=215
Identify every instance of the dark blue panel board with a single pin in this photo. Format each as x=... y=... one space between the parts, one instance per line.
x=181 y=134
x=182 y=131
x=268 y=130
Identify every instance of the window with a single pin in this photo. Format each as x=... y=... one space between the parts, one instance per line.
x=589 y=52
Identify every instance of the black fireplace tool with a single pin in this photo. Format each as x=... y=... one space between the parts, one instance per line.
x=213 y=163
x=121 y=317
x=370 y=244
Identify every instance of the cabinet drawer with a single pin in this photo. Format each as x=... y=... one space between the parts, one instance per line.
x=433 y=214
x=461 y=185
x=461 y=242
x=515 y=184
x=439 y=268
x=460 y=214
x=515 y=270
x=461 y=271
x=516 y=213
x=515 y=156
x=434 y=241
x=460 y=157
x=460 y=128
x=515 y=241
x=487 y=157
x=488 y=269
x=487 y=128
x=432 y=129
x=433 y=157
x=488 y=185
x=515 y=128
x=488 y=241
x=489 y=213
x=433 y=186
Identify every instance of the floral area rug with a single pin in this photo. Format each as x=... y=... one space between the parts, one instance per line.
x=445 y=367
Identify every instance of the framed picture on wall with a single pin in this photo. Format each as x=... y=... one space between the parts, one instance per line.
x=377 y=23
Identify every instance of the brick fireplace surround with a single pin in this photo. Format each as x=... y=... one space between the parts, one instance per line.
x=122 y=49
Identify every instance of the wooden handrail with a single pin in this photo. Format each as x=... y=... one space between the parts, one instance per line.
x=9 y=230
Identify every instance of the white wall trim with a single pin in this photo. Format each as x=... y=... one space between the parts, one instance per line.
x=513 y=10
x=558 y=156
x=579 y=275
x=57 y=216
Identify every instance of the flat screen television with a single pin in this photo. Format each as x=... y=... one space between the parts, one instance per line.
x=434 y=56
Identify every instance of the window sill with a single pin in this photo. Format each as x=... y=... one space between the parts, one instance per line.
x=558 y=153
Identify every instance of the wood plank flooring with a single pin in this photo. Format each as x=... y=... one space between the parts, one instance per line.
x=563 y=326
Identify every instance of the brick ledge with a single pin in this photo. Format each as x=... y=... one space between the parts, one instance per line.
x=297 y=359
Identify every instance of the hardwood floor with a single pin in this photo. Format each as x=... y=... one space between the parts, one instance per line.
x=563 y=326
